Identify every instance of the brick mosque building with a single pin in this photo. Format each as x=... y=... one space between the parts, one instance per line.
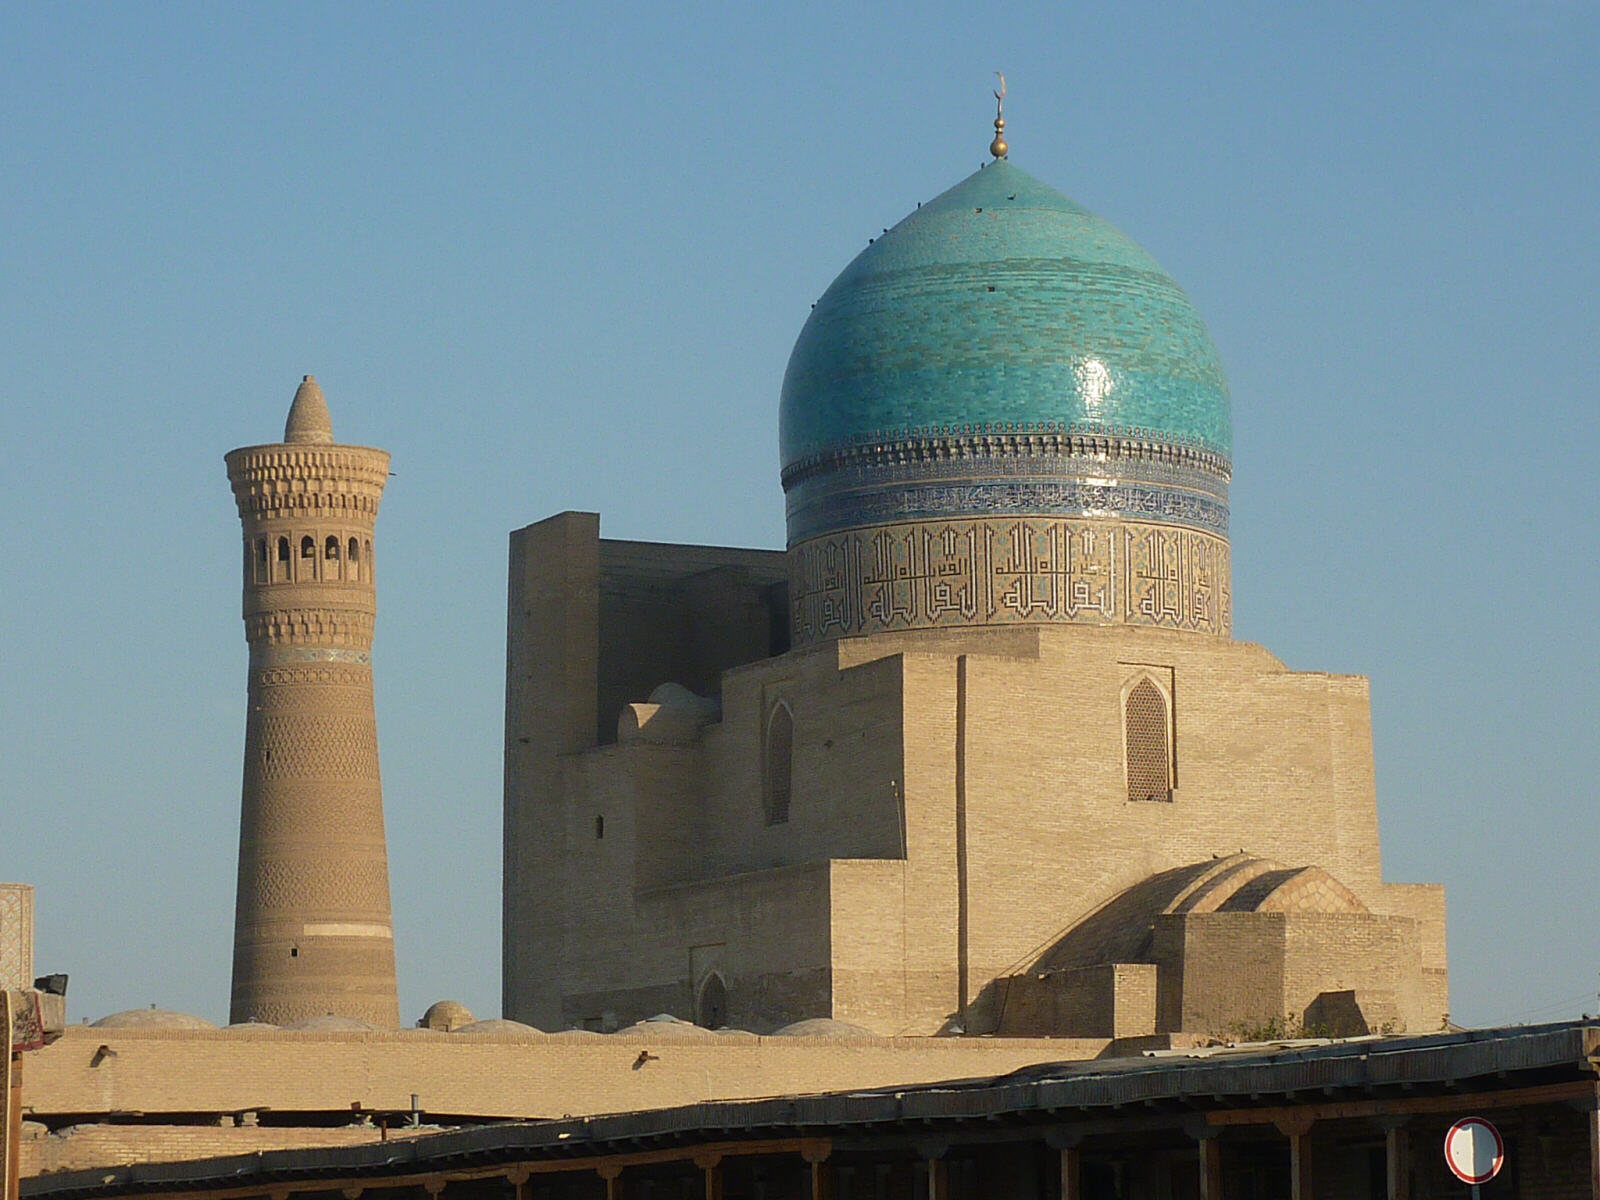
x=977 y=753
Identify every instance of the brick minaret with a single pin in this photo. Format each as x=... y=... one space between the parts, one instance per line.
x=312 y=932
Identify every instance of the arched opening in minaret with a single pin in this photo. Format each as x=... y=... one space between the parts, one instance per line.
x=355 y=555
x=308 y=557
x=281 y=572
x=330 y=554
x=366 y=561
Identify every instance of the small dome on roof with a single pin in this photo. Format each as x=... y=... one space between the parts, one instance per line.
x=249 y=1026
x=823 y=1027
x=1121 y=929
x=446 y=1015
x=332 y=1024
x=152 y=1018
x=498 y=1025
x=664 y=1026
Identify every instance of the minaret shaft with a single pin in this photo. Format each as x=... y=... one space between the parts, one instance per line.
x=312 y=927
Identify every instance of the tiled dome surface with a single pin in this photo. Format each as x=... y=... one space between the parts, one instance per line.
x=1002 y=306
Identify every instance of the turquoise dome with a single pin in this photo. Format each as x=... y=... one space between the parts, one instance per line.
x=1002 y=307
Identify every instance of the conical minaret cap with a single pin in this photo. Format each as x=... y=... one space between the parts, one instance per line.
x=308 y=415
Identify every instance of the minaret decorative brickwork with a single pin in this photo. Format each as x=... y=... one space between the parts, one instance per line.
x=312 y=929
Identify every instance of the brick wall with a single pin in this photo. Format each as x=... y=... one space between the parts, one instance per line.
x=490 y=1075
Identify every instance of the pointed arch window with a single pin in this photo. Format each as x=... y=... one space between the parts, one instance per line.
x=711 y=1007
x=331 y=548
x=777 y=764
x=1147 y=730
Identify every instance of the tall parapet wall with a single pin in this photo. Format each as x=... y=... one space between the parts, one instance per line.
x=312 y=930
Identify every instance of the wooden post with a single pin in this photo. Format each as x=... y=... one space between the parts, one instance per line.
x=1300 y=1187
x=1071 y=1173
x=13 y=1118
x=711 y=1164
x=933 y=1151
x=1593 y=1116
x=10 y=1109
x=612 y=1174
x=1297 y=1128
x=1397 y=1158
x=1210 y=1168
x=816 y=1152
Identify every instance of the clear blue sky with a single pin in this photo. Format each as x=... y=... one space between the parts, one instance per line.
x=554 y=256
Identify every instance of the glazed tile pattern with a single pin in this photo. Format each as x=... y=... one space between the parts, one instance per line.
x=1002 y=307
x=1051 y=475
x=1005 y=411
x=987 y=571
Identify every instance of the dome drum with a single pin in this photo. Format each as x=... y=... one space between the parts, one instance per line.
x=1050 y=474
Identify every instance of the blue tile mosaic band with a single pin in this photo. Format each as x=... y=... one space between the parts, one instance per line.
x=924 y=575
x=1052 y=474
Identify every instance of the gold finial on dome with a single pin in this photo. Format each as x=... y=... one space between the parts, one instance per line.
x=998 y=147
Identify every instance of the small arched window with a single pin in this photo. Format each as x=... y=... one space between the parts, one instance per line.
x=711 y=1008
x=777 y=765
x=1148 y=739
x=283 y=549
x=261 y=549
x=308 y=547
x=355 y=550
x=331 y=548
